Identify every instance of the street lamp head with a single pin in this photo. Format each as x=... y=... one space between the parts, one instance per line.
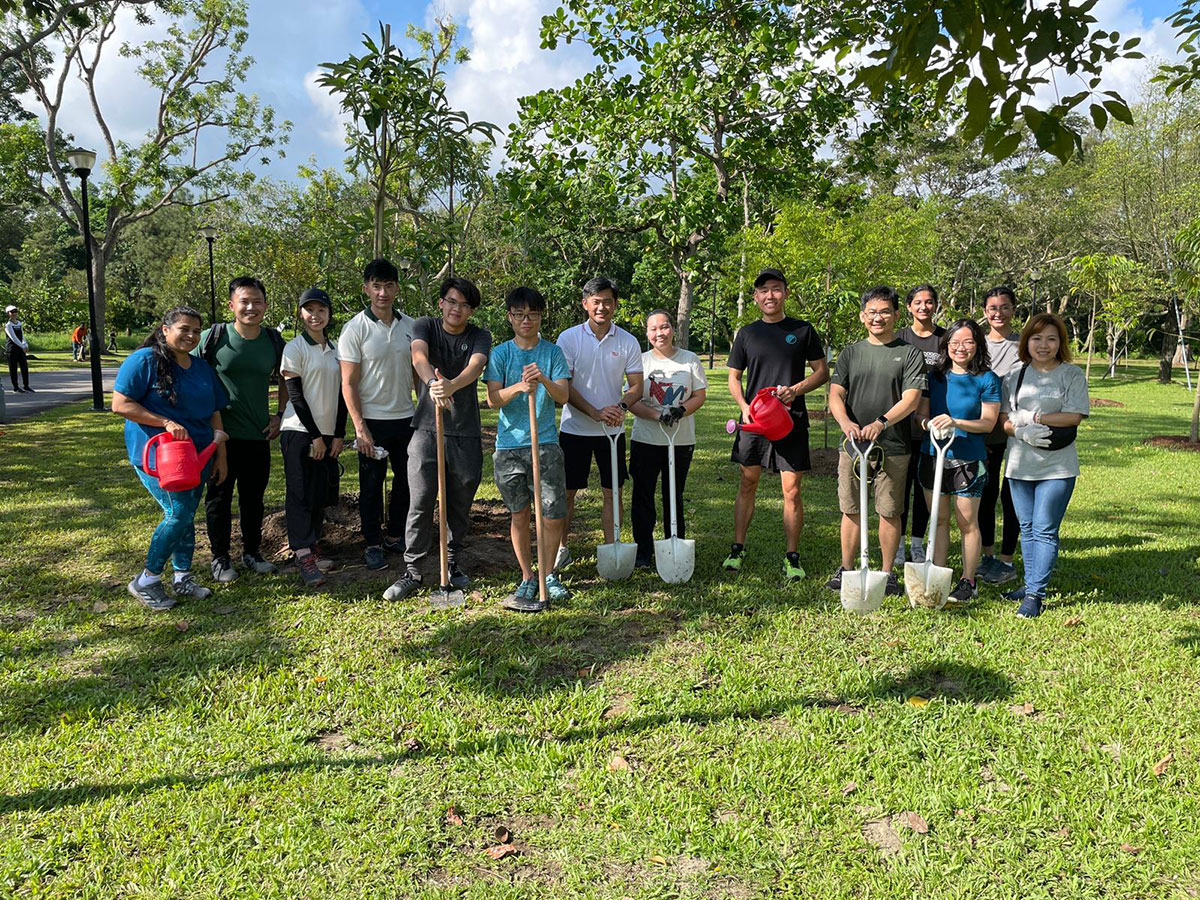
x=1035 y=276
x=208 y=231
x=82 y=161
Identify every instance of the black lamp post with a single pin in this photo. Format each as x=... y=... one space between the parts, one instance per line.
x=83 y=161
x=210 y=235
x=1034 y=277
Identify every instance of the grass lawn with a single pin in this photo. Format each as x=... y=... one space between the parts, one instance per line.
x=728 y=738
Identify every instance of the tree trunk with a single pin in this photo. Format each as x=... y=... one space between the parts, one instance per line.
x=741 y=307
x=1114 y=351
x=1195 y=432
x=683 y=313
x=1091 y=342
x=1170 y=341
x=99 y=265
x=377 y=241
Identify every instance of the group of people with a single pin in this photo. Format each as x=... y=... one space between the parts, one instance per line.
x=892 y=388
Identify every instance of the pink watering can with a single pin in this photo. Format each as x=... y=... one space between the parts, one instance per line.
x=769 y=416
x=177 y=465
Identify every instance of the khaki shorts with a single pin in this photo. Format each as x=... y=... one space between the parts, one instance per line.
x=888 y=485
x=513 y=472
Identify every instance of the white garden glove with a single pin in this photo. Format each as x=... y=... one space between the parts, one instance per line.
x=1033 y=434
x=942 y=433
x=1021 y=417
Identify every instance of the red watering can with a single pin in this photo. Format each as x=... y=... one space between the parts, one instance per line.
x=769 y=416
x=177 y=464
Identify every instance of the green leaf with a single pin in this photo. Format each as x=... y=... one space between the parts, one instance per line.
x=1119 y=111
x=1099 y=116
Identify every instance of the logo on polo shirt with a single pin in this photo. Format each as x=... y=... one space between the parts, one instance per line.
x=791 y=338
x=616 y=353
x=462 y=348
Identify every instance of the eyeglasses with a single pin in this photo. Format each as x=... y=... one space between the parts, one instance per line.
x=526 y=317
x=455 y=304
x=961 y=345
x=870 y=316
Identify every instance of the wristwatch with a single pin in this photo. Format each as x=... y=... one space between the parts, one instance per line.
x=882 y=420
x=624 y=406
x=431 y=382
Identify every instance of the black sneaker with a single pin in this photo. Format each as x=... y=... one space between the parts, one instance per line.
x=404 y=586
x=1031 y=607
x=835 y=583
x=152 y=596
x=459 y=578
x=893 y=586
x=310 y=572
x=374 y=559
x=29 y=390
x=391 y=546
x=644 y=562
x=963 y=593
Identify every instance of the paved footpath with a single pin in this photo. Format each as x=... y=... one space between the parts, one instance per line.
x=54 y=388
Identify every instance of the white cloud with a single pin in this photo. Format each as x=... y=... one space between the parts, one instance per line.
x=331 y=120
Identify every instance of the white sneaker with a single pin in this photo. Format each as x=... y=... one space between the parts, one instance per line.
x=562 y=559
x=223 y=570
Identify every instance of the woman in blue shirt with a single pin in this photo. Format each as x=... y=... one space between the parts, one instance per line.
x=161 y=387
x=963 y=399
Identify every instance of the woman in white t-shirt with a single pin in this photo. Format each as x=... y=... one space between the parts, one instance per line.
x=1044 y=401
x=673 y=389
x=312 y=433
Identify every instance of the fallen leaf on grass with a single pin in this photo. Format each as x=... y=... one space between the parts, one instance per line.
x=1073 y=621
x=849 y=789
x=99 y=606
x=880 y=833
x=1129 y=848
x=727 y=815
x=658 y=860
x=915 y=822
x=452 y=817
x=499 y=851
x=183 y=625
x=503 y=835
x=895 y=643
x=412 y=745
x=918 y=700
x=1161 y=766
x=1022 y=709
x=619 y=764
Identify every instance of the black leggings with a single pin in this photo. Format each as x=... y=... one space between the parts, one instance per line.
x=987 y=508
x=17 y=358
x=249 y=471
x=914 y=494
x=647 y=464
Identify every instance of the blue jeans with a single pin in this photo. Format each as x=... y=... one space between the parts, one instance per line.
x=1040 y=507
x=175 y=536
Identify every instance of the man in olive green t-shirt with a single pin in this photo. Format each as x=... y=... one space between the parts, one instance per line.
x=245 y=355
x=876 y=385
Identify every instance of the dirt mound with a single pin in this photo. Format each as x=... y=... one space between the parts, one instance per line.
x=1100 y=401
x=1173 y=442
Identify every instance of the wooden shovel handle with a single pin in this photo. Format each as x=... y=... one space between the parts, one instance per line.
x=537 y=496
x=443 y=548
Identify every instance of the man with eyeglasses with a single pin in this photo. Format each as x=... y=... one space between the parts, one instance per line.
x=876 y=384
x=448 y=356
x=773 y=352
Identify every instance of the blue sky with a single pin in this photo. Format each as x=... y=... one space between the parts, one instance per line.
x=290 y=38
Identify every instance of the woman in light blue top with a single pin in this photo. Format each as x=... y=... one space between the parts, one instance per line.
x=1044 y=402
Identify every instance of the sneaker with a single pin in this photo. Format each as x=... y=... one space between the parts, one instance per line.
x=963 y=593
x=459 y=578
x=792 y=570
x=562 y=559
x=404 y=586
x=310 y=571
x=835 y=583
x=324 y=563
x=29 y=390
x=733 y=562
x=255 y=563
x=1016 y=596
x=187 y=586
x=985 y=567
x=374 y=558
x=1031 y=607
x=893 y=586
x=393 y=546
x=222 y=570
x=1000 y=572
x=525 y=597
x=644 y=562
x=901 y=558
x=556 y=591
x=152 y=596
x=916 y=553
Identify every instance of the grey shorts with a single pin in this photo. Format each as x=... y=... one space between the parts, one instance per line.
x=513 y=471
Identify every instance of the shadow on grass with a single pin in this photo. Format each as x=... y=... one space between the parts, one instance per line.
x=954 y=682
x=1190 y=640
x=55 y=798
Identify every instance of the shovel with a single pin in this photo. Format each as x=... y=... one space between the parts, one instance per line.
x=929 y=585
x=446 y=596
x=615 y=561
x=674 y=557
x=862 y=589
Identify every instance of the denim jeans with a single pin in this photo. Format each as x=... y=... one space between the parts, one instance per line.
x=1040 y=507
x=175 y=536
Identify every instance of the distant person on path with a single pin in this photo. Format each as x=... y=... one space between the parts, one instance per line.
x=606 y=379
x=524 y=365
x=312 y=433
x=112 y=341
x=79 y=342
x=924 y=334
x=448 y=356
x=1044 y=402
x=999 y=305
x=674 y=388
x=876 y=384
x=375 y=348
x=245 y=354
x=18 y=351
x=773 y=352
x=162 y=387
x=963 y=399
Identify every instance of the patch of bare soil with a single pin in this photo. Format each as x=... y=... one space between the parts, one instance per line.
x=1173 y=442
x=1100 y=401
x=824 y=461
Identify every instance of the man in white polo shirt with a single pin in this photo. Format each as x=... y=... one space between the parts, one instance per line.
x=375 y=348
x=606 y=379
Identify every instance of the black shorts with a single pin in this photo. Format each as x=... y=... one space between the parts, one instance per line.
x=960 y=477
x=578 y=452
x=788 y=455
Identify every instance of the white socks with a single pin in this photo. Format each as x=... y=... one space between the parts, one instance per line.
x=146 y=579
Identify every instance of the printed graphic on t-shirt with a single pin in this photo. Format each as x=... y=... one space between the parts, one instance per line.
x=666 y=393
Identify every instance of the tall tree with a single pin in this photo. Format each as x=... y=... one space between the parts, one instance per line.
x=195 y=70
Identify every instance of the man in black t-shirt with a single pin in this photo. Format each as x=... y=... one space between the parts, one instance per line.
x=773 y=352
x=448 y=356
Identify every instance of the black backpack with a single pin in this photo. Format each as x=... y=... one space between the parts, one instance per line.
x=209 y=352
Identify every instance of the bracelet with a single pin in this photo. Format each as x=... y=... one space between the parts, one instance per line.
x=925 y=424
x=1037 y=417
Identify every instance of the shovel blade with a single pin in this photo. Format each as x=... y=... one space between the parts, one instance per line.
x=675 y=559
x=927 y=585
x=615 y=561
x=862 y=590
x=447 y=597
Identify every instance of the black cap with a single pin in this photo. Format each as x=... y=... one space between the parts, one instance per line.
x=318 y=295
x=769 y=275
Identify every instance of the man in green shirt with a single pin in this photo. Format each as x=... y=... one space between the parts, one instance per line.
x=876 y=385
x=245 y=355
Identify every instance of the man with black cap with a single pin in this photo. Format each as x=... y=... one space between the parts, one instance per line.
x=313 y=432
x=773 y=352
